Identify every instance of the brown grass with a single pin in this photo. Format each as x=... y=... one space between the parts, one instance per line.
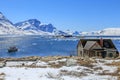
x=88 y=71
x=118 y=78
x=2 y=73
x=86 y=63
x=98 y=68
x=116 y=73
x=111 y=74
x=2 y=76
x=114 y=63
x=54 y=65
x=72 y=73
x=51 y=58
x=36 y=66
x=29 y=66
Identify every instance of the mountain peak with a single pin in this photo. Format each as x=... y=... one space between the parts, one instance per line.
x=50 y=24
x=34 y=22
x=4 y=20
x=1 y=16
x=0 y=12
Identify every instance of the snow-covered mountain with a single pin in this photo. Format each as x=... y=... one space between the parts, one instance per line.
x=35 y=25
x=107 y=31
x=110 y=31
x=30 y=27
x=7 y=27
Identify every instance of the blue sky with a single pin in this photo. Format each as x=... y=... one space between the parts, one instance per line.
x=80 y=15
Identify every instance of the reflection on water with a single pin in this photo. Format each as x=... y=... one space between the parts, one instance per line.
x=36 y=46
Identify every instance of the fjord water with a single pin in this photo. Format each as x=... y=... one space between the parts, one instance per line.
x=37 y=46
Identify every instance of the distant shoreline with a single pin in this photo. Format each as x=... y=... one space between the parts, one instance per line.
x=34 y=58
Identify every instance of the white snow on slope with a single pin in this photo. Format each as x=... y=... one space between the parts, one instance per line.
x=6 y=27
x=110 y=31
x=35 y=27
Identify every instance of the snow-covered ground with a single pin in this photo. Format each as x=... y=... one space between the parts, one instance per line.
x=61 y=69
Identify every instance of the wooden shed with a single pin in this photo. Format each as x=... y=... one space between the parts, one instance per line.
x=97 y=48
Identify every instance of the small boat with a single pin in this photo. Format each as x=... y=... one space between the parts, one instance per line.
x=68 y=36
x=12 y=49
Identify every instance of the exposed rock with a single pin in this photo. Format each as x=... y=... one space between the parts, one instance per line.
x=2 y=76
x=73 y=73
x=31 y=58
x=54 y=76
x=2 y=64
x=71 y=62
x=92 y=59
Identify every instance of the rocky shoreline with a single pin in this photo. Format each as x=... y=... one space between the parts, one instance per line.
x=34 y=58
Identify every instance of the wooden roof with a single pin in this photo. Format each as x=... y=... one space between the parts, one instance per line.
x=107 y=43
x=89 y=44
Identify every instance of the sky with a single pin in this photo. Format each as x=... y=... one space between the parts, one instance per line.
x=74 y=15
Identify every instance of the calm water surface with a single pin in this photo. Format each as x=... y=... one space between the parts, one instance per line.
x=41 y=46
x=37 y=46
